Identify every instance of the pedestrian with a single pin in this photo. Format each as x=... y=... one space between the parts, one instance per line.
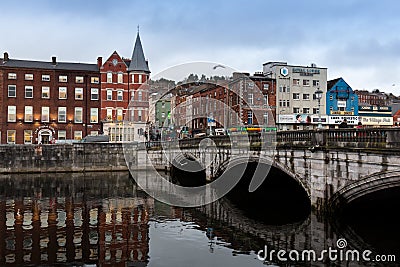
x=359 y=125
x=343 y=124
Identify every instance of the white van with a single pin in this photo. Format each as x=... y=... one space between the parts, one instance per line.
x=220 y=131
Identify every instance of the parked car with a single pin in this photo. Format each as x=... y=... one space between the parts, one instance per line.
x=96 y=139
x=199 y=133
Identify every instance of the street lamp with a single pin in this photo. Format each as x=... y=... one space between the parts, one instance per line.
x=318 y=95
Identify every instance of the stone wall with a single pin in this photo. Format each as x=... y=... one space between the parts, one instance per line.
x=62 y=158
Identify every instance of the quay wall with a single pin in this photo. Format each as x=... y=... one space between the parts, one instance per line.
x=79 y=157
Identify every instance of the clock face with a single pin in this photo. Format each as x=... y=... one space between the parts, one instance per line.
x=114 y=62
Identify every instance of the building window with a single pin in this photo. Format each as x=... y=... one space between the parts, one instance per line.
x=120 y=78
x=94 y=133
x=120 y=95
x=45 y=78
x=109 y=94
x=12 y=91
x=79 y=79
x=109 y=114
x=27 y=136
x=139 y=96
x=94 y=115
x=306 y=82
x=78 y=93
x=139 y=115
x=288 y=103
x=94 y=80
x=296 y=96
x=12 y=114
x=62 y=114
x=250 y=99
x=315 y=82
x=119 y=114
x=78 y=115
x=315 y=110
x=62 y=135
x=249 y=117
x=296 y=110
x=11 y=136
x=296 y=81
x=140 y=78
x=94 y=94
x=28 y=77
x=28 y=114
x=306 y=110
x=77 y=135
x=12 y=76
x=62 y=93
x=45 y=92
x=63 y=78
x=28 y=91
x=306 y=96
x=109 y=77
x=265 y=100
x=265 y=118
x=45 y=114
x=266 y=86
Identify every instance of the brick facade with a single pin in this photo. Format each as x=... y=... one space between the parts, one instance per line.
x=42 y=102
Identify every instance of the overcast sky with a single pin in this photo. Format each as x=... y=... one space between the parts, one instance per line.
x=356 y=40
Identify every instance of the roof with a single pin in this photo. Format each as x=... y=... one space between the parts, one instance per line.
x=30 y=64
x=331 y=83
x=138 y=61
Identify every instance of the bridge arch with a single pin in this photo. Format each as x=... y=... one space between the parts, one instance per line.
x=229 y=163
x=367 y=185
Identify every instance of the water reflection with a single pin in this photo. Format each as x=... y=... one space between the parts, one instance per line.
x=105 y=220
x=67 y=218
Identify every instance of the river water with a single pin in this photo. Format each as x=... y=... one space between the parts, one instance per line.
x=104 y=219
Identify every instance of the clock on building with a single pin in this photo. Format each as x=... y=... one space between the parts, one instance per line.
x=114 y=61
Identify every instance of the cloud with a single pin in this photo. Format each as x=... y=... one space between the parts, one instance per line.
x=353 y=39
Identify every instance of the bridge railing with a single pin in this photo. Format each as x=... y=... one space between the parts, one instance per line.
x=350 y=138
x=361 y=138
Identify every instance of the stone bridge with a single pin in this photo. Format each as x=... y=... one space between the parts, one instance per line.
x=333 y=166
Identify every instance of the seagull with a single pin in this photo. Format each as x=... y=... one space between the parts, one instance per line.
x=216 y=66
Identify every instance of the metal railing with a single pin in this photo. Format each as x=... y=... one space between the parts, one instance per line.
x=362 y=138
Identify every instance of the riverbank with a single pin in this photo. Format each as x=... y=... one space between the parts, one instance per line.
x=80 y=157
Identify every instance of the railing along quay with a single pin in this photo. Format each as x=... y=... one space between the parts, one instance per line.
x=320 y=138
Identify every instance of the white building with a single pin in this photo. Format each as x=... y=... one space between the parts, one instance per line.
x=296 y=103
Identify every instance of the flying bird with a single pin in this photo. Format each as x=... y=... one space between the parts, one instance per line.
x=220 y=66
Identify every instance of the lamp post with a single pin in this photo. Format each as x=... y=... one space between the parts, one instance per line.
x=318 y=95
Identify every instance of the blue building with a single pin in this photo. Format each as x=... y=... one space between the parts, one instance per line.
x=341 y=103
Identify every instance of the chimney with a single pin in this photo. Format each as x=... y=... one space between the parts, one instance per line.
x=99 y=62
x=5 y=59
x=54 y=60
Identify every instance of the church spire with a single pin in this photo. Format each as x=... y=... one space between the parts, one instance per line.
x=138 y=62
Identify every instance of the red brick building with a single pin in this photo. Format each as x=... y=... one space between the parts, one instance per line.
x=41 y=102
x=244 y=99
x=125 y=95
